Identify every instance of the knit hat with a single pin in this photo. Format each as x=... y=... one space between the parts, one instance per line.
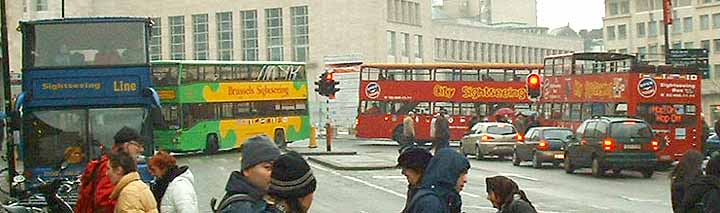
x=291 y=177
x=127 y=134
x=258 y=149
x=415 y=158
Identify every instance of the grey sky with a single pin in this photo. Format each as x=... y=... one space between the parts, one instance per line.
x=581 y=14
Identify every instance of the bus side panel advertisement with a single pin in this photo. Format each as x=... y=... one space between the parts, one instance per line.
x=459 y=91
x=679 y=88
x=581 y=88
x=259 y=91
x=86 y=87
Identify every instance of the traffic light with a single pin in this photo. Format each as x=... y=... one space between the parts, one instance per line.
x=322 y=84
x=331 y=83
x=534 y=91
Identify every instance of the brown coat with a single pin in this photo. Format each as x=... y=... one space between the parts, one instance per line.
x=409 y=126
x=133 y=196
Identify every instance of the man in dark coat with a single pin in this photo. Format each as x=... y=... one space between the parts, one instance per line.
x=442 y=132
x=444 y=178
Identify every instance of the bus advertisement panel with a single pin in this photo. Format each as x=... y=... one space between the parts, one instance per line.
x=220 y=104
x=468 y=92
x=666 y=97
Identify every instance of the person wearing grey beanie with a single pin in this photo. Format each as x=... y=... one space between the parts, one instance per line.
x=245 y=189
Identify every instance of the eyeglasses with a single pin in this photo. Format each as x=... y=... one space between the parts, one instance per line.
x=135 y=143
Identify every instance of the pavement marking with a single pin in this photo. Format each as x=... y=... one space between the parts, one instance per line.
x=519 y=176
x=222 y=168
x=599 y=207
x=469 y=195
x=479 y=207
x=360 y=181
x=389 y=177
x=638 y=199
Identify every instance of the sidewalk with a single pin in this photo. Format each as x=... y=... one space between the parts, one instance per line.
x=344 y=155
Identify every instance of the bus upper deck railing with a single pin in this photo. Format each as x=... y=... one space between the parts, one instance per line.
x=448 y=72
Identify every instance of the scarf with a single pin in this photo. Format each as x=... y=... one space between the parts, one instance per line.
x=162 y=183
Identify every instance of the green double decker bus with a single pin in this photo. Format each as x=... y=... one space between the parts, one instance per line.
x=215 y=105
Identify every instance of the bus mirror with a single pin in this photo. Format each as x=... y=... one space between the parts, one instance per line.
x=157 y=119
x=13 y=120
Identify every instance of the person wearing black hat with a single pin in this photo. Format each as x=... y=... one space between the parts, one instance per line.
x=413 y=161
x=95 y=186
x=245 y=189
x=292 y=184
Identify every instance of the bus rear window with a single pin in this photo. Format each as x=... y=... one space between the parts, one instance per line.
x=630 y=129
x=501 y=130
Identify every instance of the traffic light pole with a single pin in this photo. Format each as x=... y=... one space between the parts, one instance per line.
x=328 y=127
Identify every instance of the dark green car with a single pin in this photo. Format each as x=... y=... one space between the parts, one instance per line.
x=542 y=144
x=612 y=143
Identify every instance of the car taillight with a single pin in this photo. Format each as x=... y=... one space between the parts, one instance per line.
x=487 y=138
x=543 y=145
x=608 y=145
x=387 y=118
x=655 y=145
x=520 y=138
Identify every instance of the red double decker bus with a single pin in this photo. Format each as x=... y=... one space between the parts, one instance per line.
x=577 y=86
x=466 y=91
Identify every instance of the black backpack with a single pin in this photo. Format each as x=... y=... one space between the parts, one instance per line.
x=711 y=200
x=227 y=200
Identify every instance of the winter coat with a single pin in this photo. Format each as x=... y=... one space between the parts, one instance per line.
x=179 y=194
x=677 y=192
x=412 y=190
x=438 y=184
x=442 y=129
x=517 y=206
x=695 y=192
x=238 y=184
x=409 y=127
x=133 y=195
x=95 y=188
x=432 y=127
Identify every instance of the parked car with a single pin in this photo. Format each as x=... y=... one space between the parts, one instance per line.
x=711 y=145
x=542 y=144
x=612 y=143
x=489 y=138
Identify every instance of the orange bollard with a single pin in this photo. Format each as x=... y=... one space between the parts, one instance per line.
x=313 y=138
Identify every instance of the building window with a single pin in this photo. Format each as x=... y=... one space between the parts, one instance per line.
x=622 y=32
x=177 y=37
x=653 y=49
x=676 y=26
x=610 y=33
x=677 y=45
x=613 y=8
x=461 y=50
x=716 y=20
x=642 y=51
x=41 y=5
x=689 y=44
x=717 y=46
x=453 y=50
x=623 y=51
x=705 y=44
x=625 y=7
x=438 y=44
x=652 y=29
x=390 y=10
x=687 y=24
x=249 y=35
x=24 y=5
x=300 y=41
x=156 y=40
x=642 y=5
x=446 y=48
x=717 y=70
x=704 y=22
x=391 y=43
x=641 y=30
x=273 y=22
x=418 y=47
x=405 y=45
x=224 y=35
x=200 y=36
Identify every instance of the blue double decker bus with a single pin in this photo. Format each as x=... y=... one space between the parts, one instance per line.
x=83 y=80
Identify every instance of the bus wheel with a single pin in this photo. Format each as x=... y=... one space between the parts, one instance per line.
x=280 y=139
x=212 y=146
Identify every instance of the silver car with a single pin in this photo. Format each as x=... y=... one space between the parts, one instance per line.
x=489 y=138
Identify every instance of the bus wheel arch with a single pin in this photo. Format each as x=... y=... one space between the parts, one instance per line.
x=212 y=144
x=280 y=138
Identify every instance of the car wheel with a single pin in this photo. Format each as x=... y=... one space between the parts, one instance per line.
x=515 y=159
x=478 y=154
x=597 y=169
x=647 y=173
x=556 y=163
x=536 y=161
x=617 y=172
x=569 y=168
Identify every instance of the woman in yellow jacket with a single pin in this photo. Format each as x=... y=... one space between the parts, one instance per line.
x=131 y=193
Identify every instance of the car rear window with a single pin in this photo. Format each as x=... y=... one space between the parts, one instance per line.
x=557 y=134
x=501 y=129
x=630 y=129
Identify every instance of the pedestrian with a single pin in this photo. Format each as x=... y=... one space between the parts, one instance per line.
x=245 y=189
x=413 y=161
x=409 y=129
x=442 y=132
x=689 y=167
x=95 y=186
x=703 y=193
x=532 y=122
x=442 y=182
x=173 y=187
x=521 y=123
x=131 y=193
x=506 y=196
x=293 y=184
x=717 y=127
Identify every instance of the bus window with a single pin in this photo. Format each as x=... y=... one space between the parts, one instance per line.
x=496 y=75
x=422 y=108
x=470 y=75
x=421 y=74
x=165 y=75
x=189 y=74
x=372 y=107
x=468 y=109
x=369 y=73
x=440 y=106
x=444 y=75
x=556 y=112
x=208 y=73
x=566 y=111
x=170 y=115
x=399 y=74
x=586 y=111
x=194 y=113
x=575 y=110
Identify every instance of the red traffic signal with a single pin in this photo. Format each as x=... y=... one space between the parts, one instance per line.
x=534 y=90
